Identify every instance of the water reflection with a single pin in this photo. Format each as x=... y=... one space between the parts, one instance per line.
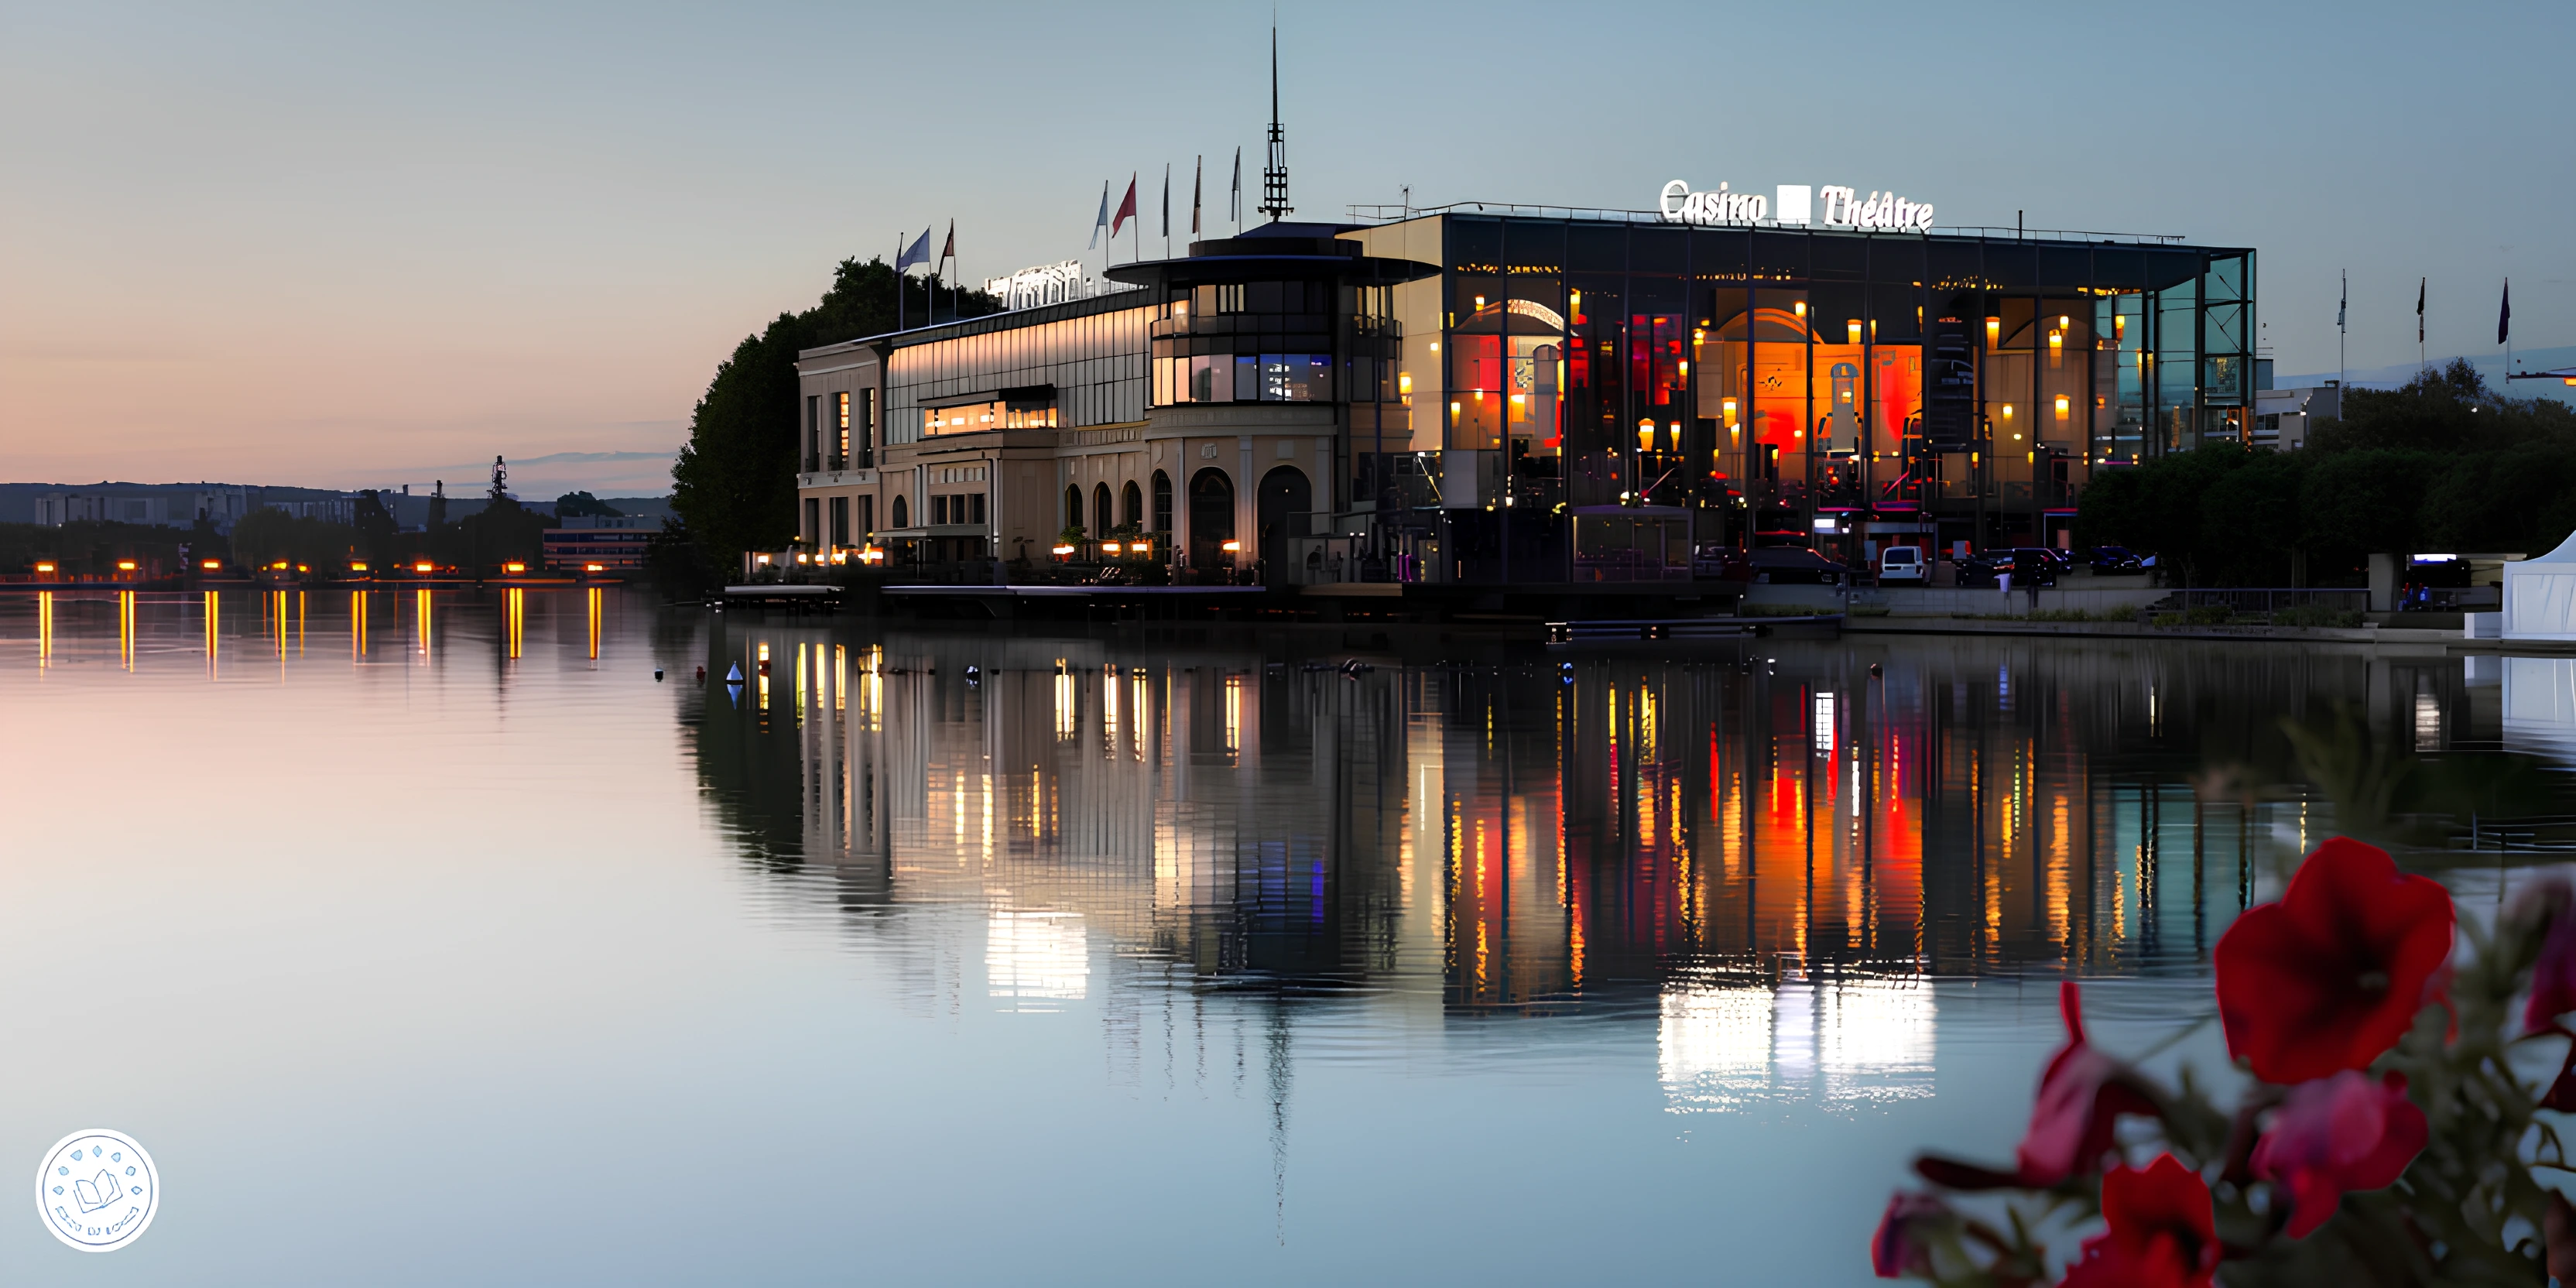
x=1538 y=845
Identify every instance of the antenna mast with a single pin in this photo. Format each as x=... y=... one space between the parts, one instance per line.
x=1274 y=176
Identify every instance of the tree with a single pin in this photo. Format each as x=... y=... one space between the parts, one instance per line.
x=378 y=533
x=2366 y=502
x=573 y=505
x=734 y=483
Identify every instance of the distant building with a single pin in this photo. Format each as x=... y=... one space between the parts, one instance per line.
x=160 y=507
x=2284 y=417
x=616 y=543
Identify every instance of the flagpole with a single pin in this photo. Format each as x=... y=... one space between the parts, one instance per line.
x=898 y=281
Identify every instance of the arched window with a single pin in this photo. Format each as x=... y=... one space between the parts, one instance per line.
x=1162 y=501
x=1073 y=507
x=902 y=512
x=1101 y=519
x=1131 y=507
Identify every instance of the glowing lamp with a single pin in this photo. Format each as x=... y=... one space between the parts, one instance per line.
x=357 y=565
x=1645 y=435
x=1063 y=550
x=1994 y=331
x=594 y=567
x=1233 y=546
x=2007 y=411
x=2064 y=323
x=1852 y=330
x=1109 y=547
x=514 y=567
x=423 y=566
x=279 y=566
x=125 y=565
x=1140 y=547
x=1404 y=383
x=214 y=564
x=44 y=566
x=1729 y=406
x=302 y=568
x=2061 y=406
x=1800 y=307
x=2056 y=343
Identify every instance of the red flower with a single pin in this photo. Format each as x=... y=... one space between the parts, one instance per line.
x=2162 y=1235
x=2081 y=1093
x=1898 y=1249
x=2553 y=975
x=2337 y=1134
x=2331 y=976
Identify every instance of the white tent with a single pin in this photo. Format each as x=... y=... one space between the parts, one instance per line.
x=2540 y=595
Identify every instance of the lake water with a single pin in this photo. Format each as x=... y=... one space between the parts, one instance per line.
x=428 y=939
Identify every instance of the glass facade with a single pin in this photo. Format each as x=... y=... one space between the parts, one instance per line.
x=1064 y=365
x=1788 y=383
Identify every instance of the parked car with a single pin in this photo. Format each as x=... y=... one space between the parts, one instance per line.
x=1770 y=566
x=2028 y=566
x=2112 y=561
x=2056 y=560
x=1903 y=565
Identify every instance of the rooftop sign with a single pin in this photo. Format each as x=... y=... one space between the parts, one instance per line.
x=1050 y=284
x=1796 y=203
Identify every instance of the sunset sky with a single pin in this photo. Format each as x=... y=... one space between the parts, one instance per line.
x=339 y=247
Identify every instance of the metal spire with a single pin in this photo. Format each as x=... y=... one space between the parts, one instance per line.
x=1274 y=176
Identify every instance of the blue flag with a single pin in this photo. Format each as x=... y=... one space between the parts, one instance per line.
x=919 y=254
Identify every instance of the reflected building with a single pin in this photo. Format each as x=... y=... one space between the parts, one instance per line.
x=1769 y=857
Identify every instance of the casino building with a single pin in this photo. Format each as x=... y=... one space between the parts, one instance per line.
x=1490 y=394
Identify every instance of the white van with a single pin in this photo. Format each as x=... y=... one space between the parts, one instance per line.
x=1902 y=564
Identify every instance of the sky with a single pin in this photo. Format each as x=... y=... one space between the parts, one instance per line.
x=339 y=246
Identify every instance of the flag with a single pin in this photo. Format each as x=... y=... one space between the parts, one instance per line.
x=1167 y=200
x=1234 y=204
x=918 y=254
x=2504 y=315
x=949 y=251
x=1103 y=221
x=1198 y=171
x=2342 y=300
x=2419 y=310
x=1126 y=208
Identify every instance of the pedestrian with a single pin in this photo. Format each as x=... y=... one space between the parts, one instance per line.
x=2003 y=582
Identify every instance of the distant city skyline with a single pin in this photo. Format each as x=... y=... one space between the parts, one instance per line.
x=322 y=248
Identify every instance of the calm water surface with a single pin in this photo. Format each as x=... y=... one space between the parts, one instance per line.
x=430 y=940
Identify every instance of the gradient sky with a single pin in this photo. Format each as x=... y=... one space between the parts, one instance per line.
x=342 y=247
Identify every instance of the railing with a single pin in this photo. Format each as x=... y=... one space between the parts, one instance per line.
x=2238 y=599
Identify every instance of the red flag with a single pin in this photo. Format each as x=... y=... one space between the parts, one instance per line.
x=949 y=251
x=1126 y=208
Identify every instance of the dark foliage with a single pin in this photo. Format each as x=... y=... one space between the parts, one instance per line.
x=2440 y=464
x=576 y=505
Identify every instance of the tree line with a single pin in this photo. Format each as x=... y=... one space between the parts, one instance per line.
x=2443 y=463
x=503 y=531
